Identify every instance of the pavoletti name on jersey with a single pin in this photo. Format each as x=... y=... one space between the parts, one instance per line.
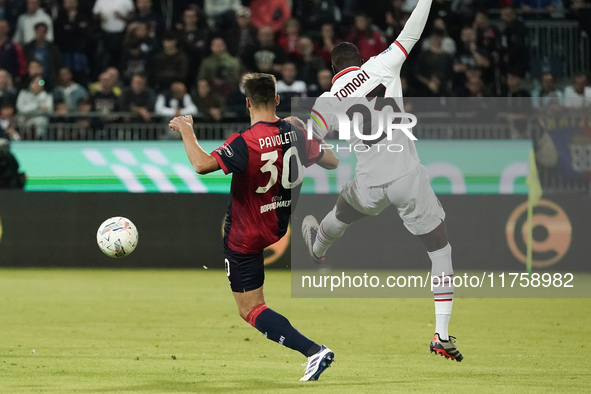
x=274 y=205
x=280 y=139
x=352 y=86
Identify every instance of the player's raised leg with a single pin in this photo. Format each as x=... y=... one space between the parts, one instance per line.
x=319 y=238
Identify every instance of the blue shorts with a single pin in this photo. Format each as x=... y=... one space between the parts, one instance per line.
x=246 y=272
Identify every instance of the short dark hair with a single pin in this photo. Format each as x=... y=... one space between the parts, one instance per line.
x=345 y=55
x=170 y=36
x=260 y=88
x=83 y=101
x=138 y=74
x=441 y=33
x=516 y=72
x=580 y=75
x=6 y=104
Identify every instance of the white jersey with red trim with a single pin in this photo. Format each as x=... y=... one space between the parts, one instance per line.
x=378 y=77
x=384 y=160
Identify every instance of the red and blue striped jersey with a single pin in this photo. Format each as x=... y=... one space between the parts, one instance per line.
x=266 y=162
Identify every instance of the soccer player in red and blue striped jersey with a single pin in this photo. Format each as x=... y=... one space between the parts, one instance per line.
x=266 y=162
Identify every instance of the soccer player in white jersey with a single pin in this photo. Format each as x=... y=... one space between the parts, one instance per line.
x=384 y=178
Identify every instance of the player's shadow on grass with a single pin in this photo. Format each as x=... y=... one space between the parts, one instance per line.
x=257 y=385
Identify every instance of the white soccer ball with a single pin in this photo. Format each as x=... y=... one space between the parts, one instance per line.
x=117 y=237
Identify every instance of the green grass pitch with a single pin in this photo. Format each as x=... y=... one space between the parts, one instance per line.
x=101 y=331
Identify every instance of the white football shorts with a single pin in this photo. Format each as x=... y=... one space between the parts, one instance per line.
x=418 y=206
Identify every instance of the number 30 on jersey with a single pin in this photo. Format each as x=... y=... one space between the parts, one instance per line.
x=270 y=158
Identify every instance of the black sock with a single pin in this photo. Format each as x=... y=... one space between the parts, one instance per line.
x=277 y=328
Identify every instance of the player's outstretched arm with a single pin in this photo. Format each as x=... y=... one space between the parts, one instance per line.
x=202 y=162
x=415 y=25
x=329 y=160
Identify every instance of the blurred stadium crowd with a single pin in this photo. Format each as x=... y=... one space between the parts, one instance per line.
x=91 y=63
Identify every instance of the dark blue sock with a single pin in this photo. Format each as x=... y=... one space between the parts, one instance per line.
x=277 y=328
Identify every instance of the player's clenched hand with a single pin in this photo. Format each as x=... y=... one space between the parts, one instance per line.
x=178 y=123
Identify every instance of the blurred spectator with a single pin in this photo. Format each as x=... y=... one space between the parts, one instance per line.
x=242 y=35
x=135 y=61
x=267 y=55
x=220 y=58
x=581 y=10
x=220 y=13
x=464 y=10
x=44 y=52
x=171 y=64
x=526 y=6
x=68 y=91
x=113 y=16
x=5 y=10
x=288 y=87
x=72 y=36
x=220 y=69
x=448 y=44
x=113 y=75
x=104 y=100
x=369 y=41
x=309 y=64
x=194 y=35
x=513 y=43
x=265 y=62
x=487 y=35
x=473 y=85
x=25 y=26
x=7 y=91
x=326 y=43
x=470 y=56
x=7 y=123
x=395 y=19
x=175 y=102
x=139 y=98
x=91 y=122
x=324 y=84
x=476 y=106
x=144 y=13
x=546 y=95
x=209 y=104
x=140 y=32
x=236 y=103
x=578 y=95
x=36 y=104
x=514 y=86
x=442 y=9
x=290 y=38
x=434 y=68
x=517 y=104
x=316 y=13
x=10 y=176
x=34 y=68
x=272 y=13
x=60 y=113
x=12 y=57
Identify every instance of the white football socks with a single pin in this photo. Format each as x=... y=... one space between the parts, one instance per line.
x=443 y=288
x=329 y=231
